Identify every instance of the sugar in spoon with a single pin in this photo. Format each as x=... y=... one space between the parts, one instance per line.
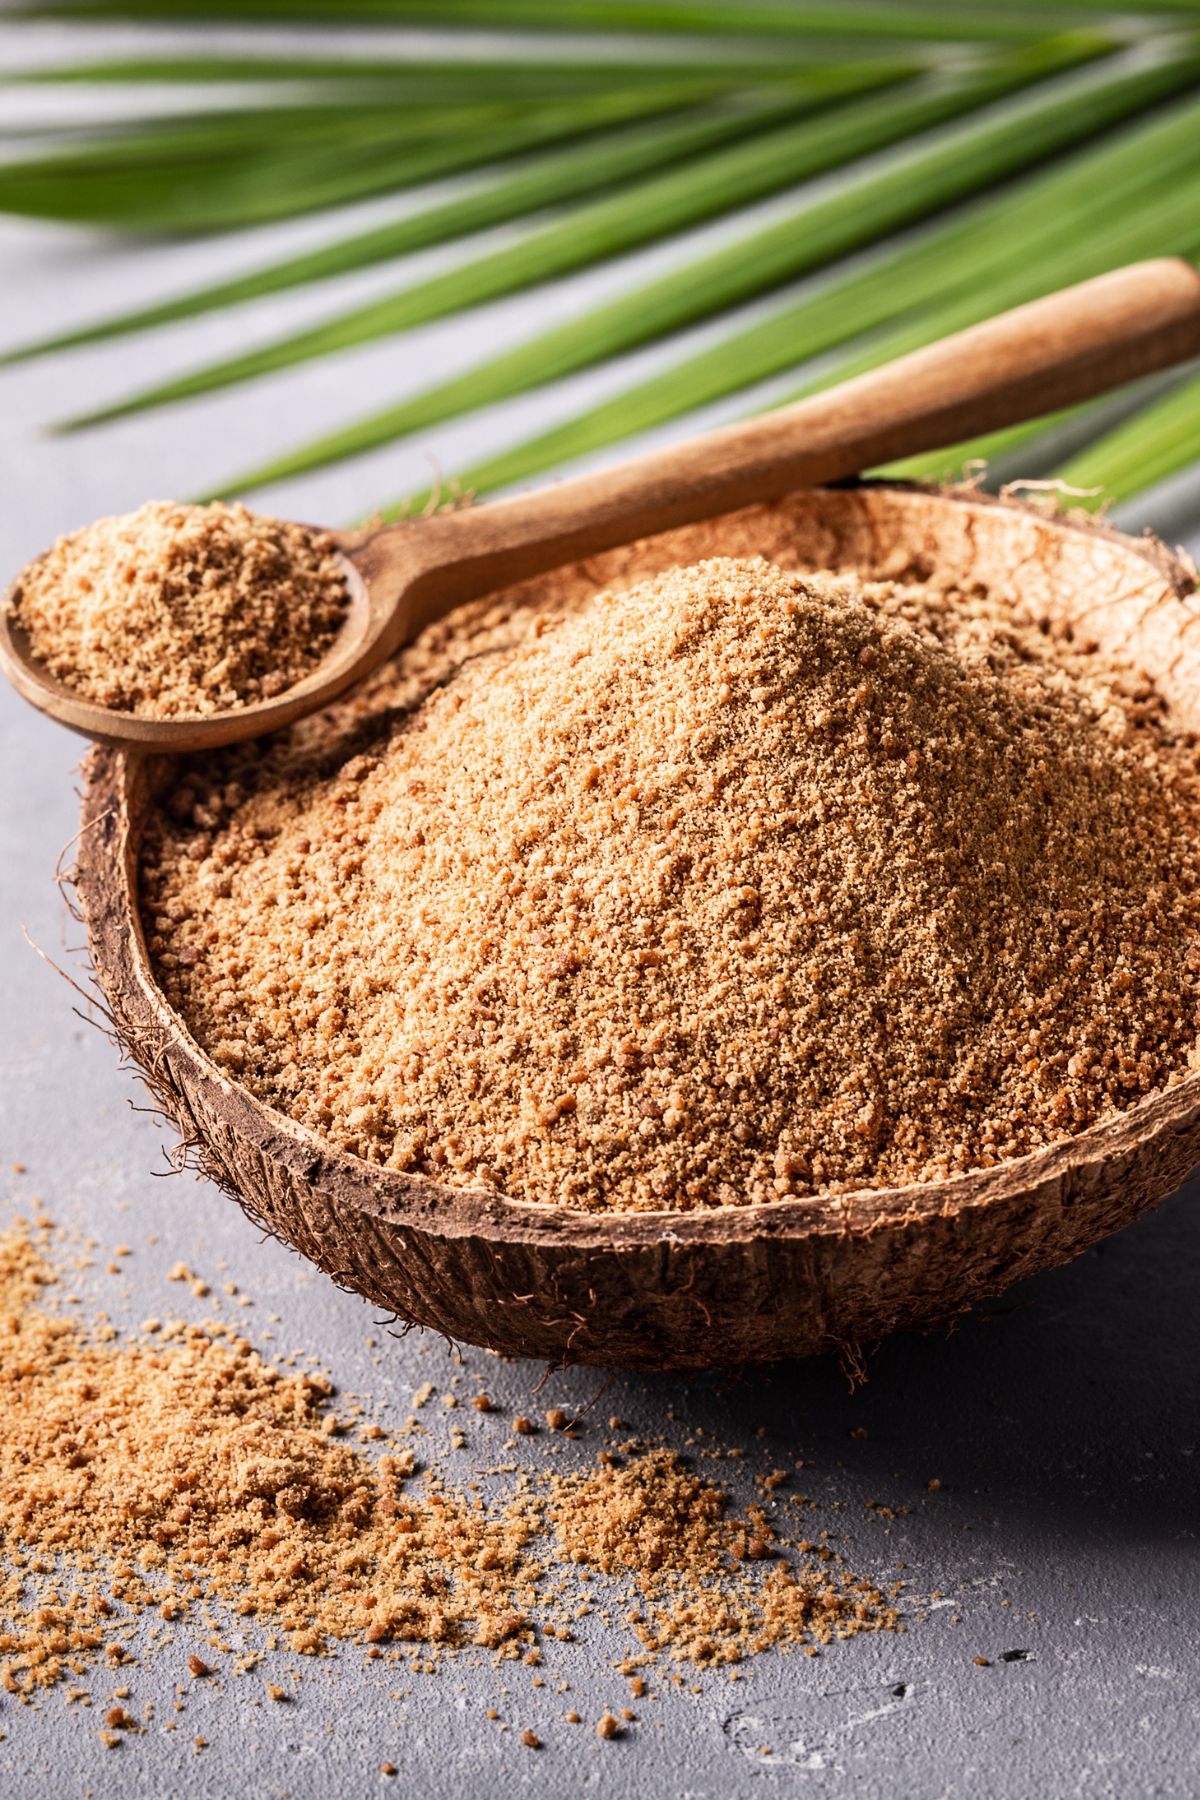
x=1049 y=354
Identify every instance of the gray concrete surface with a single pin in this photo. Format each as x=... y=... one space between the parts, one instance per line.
x=1063 y=1422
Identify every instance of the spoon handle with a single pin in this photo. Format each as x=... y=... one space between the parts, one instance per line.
x=1035 y=359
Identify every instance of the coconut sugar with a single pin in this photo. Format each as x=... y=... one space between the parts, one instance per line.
x=182 y=611
x=654 y=1522
x=729 y=885
x=179 y=1476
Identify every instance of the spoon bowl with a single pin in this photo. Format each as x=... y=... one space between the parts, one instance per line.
x=351 y=655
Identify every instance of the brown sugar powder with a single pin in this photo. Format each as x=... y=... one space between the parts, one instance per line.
x=176 y=611
x=156 y=1478
x=733 y=885
x=655 y=1522
x=191 y=1465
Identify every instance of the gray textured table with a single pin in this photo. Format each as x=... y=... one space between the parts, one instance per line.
x=1063 y=1423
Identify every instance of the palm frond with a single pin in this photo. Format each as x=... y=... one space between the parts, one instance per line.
x=231 y=169
x=851 y=20
x=436 y=83
x=1146 y=449
x=648 y=211
x=571 y=172
x=1122 y=199
x=976 y=130
x=645 y=212
x=988 y=452
x=955 y=165
x=1125 y=241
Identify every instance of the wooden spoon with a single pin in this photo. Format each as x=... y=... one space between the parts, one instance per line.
x=1049 y=354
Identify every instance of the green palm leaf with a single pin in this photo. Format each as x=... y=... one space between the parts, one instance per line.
x=951 y=168
x=855 y=19
x=430 y=83
x=1123 y=201
x=231 y=169
x=730 y=104
x=1124 y=241
x=988 y=452
x=1038 y=448
x=1163 y=437
x=571 y=172
x=649 y=211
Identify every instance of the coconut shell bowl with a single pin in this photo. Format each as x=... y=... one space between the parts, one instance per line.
x=740 y=1284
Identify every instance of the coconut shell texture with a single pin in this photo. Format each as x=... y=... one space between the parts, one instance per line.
x=742 y=1284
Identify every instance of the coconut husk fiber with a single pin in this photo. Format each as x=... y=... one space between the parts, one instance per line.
x=738 y=1284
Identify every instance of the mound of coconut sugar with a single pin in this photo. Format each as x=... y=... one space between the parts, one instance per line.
x=735 y=885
